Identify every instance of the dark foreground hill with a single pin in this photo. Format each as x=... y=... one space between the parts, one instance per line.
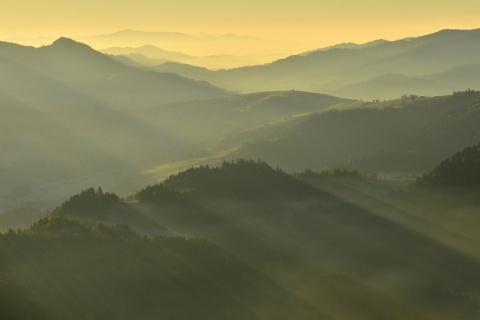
x=278 y=247
x=297 y=234
x=68 y=271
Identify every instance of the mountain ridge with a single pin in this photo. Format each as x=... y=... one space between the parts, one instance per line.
x=332 y=71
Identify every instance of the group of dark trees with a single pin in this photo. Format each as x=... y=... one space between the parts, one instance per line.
x=245 y=179
x=332 y=173
x=460 y=170
x=88 y=204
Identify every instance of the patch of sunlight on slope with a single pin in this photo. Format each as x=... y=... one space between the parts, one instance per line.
x=416 y=217
x=353 y=104
x=350 y=104
x=163 y=171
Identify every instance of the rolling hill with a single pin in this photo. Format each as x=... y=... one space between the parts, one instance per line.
x=401 y=136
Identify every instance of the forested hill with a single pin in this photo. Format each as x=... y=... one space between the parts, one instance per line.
x=408 y=135
x=236 y=179
x=460 y=170
x=90 y=203
x=277 y=248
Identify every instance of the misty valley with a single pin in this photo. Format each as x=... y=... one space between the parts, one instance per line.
x=339 y=183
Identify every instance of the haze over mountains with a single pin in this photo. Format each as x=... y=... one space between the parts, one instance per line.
x=59 y=91
x=428 y=65
x=151 y=56
x=67 y=87
x=341 y=183
x=208 y=50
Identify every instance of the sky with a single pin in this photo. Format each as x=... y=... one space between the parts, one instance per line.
x=299 y=25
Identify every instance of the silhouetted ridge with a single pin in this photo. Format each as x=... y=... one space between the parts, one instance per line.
x=89 y=203
x=63 y=41
x=68 y=44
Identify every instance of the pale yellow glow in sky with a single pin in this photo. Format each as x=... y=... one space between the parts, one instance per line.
x=299 y=25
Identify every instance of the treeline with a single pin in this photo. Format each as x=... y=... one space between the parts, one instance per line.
x=88 y=204
x=460 y=170
x=333 y=173
x=240 y=179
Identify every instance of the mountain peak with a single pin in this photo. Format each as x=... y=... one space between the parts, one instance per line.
x=63 y=41
x=70 y=45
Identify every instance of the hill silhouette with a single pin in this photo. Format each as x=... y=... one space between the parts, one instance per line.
x=88 y=204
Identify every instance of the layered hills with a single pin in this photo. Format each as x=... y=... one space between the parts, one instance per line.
x=328 y=221
x=404 y=136
x=74 y=117
x=379 y=70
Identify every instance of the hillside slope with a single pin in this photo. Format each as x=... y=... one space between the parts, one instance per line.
x=82 y=75
x=410 y=136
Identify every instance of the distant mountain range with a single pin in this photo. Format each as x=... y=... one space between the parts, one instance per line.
x=378 y=70
x=67 y=65
x=429 y=65
x=210 y=50
x=152 y=56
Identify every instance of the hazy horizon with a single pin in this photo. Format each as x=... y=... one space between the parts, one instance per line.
x=285 y=28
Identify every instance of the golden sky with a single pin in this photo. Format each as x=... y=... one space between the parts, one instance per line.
x=300 y=25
